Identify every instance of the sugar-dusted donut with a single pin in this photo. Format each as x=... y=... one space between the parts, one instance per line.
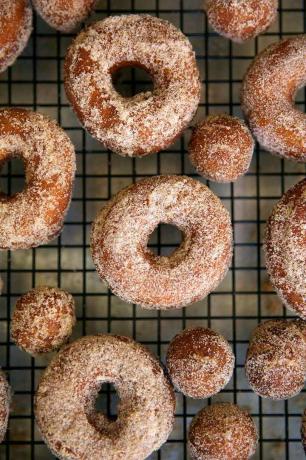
x=5 y=401
x=240 y=20
x=268 y=94
x=285 y=248
x=64 y=15
x=149 y=121
x=121 y=231
x=276 y=359
x=15 y=30
x=221 y=148
x=66 y=396
x=222 y=431
x=43 y=320
x=200 y=362
x=35 y=215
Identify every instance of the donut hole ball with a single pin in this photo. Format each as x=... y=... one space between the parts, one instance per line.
x=221 y=148
x=276 y=359
x=200 y=362
x=240 y=20
x=130 y=79
x=222 y=431
x=43 y=320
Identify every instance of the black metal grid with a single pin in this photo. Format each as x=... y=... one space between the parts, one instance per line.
x=243 y=299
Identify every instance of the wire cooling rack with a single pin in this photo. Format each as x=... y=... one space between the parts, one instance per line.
x=243 y=299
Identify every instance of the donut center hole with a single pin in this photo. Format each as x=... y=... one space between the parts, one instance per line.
x=300 y=99
x=129 y=80
x=107 y=402
x=13 y=179
x=165 y=240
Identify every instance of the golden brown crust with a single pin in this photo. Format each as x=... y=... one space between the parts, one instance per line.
x=43 y=320
x=221 y=148
x=200 y=362
x=121 y=231
x=268 y=94
x=241 y=20
x=276 y=359
x=285 y=248
x=35 y=215
x=66 y=396
x=222 y=431
x=149 y=121
x=15 y=29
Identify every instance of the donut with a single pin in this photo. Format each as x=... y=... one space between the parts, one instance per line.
x=222 y=431
x=43 y=320
x=240 y=20
x=15 y=30
x=121 y=231
x=200 y=362
x=5 y=401
x=66 y=394
x=285 y=248
x=149 y=121
x=276 y=359
x=66 y=15
x=303 y=430
x=221 y=148
x=268 y=92
x=35 y=215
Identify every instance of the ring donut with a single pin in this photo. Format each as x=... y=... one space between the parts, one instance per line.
x=149 y=121
x=268 y=94
x=66 y=15
x=15 y=30
x=121 y=231
x=5 y=401
x=35 y=215
x=240 y=20
x=67 y=392
x=285 y=248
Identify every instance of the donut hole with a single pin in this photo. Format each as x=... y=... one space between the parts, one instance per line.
x=300 y=99
x=107 y=401
x=13 y=179
x=130 y=79
x=165 y=240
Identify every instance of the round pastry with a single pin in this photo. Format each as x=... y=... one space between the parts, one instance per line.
x=221 y=148
x=149 y=121
x=285 y=248
x=64 y=15
x=15 y=30
x=222 y=431
x=35 y=215
x=122 y=229
x=240 y=20
x=5 y=401
x=276 y=359
x=43 y=320
x=200 y=362
x=65 y=401
x=303 y=430
x=268 y=94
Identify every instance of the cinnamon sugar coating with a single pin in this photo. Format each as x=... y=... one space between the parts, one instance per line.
x=35 y=215
x=43 y=320
x=121 y=231
x=240 y=20
x=276 y=359
x=221 y=148
x=268 y=92
x=222 y=431
x=15 y=30
x=200 y=362
x=285 y=248
x=66 y=396
x=64 y=15
x=5 y=401
x=149 y=121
